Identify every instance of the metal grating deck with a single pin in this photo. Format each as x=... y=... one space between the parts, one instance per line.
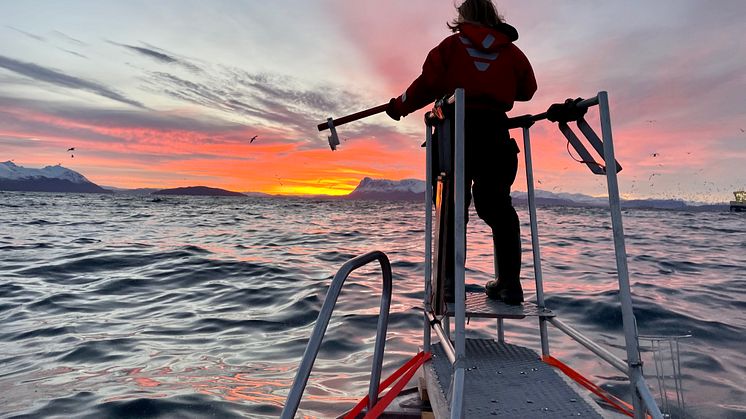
x=504 y=380
x=478 y=305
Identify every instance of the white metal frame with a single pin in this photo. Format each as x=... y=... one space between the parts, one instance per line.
x=643 y=399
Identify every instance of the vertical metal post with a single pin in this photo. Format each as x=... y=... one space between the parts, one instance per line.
x=500 y=324
x=535 y=240
x=625 y=296
x=457 y=395
x=428 y=237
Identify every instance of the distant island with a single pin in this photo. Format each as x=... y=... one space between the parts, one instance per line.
x=61 y=179
x=414 y=190
x=197 y=191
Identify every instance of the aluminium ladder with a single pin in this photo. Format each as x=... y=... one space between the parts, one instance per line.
x=473 y=378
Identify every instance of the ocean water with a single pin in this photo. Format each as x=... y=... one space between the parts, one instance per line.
x=118 y=306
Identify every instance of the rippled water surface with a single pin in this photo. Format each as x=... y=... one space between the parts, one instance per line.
x=117 y=306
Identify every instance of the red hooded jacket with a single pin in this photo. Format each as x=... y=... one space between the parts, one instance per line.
x=480 y=59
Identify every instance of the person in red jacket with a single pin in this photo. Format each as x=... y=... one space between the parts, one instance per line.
x=480 y=57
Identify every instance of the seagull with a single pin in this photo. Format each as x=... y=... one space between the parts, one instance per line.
x=654 y=154
x=72 y=156
x=252 y=139
x=71 y=149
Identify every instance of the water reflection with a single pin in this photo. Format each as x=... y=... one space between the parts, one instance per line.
x=117 y=302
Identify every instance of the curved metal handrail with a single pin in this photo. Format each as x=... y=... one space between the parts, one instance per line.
x=314 y=343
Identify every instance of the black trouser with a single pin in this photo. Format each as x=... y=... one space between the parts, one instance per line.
x=490 y=168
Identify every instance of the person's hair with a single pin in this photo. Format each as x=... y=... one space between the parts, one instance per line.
x=482 y=12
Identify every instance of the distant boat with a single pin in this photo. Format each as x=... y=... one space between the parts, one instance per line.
x=739 y=205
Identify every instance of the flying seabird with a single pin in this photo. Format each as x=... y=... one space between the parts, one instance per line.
x=252 y=139
x=71 y=149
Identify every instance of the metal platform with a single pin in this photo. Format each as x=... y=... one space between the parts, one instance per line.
x=504 y=380
x=478 y=305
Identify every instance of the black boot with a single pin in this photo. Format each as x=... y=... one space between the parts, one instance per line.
x=510 y=293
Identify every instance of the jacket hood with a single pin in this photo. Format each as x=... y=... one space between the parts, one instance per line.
x=487 y=38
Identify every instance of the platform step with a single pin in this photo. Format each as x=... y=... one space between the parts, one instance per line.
x=478 y=305
x=504 y=380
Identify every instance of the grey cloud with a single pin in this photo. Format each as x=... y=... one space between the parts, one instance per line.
x=157 y=54
x=47 y=75
x=44 y=40
x=121 y=118
x=272 y=99
x=77 y=54
x=28 y=34
x=69 y=38
x=150 y=53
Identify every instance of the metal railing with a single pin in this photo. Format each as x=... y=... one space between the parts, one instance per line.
x=456 y=354
x=642 y=400
x=664 y=351
x=314 y=343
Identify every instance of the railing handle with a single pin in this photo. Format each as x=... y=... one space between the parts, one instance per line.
x=314 y=343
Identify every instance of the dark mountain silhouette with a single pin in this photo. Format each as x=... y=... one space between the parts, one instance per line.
x=197 y=191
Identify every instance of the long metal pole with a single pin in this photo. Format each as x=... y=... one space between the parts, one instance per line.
x=535 y=240
x=500 y=324
x=428 y=237
x=460 y=256
x=444 y=342
x=625 y=295
x=602 y=353
x=353 y=117
x=647 y=397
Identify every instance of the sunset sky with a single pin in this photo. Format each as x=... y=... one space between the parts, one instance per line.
x=169 y=93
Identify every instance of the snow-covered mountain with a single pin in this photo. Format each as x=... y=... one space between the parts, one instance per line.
x=9 y=170
x=47 y=179
x=390 y=190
